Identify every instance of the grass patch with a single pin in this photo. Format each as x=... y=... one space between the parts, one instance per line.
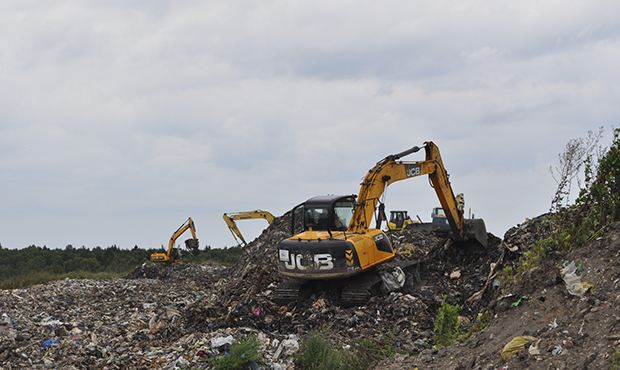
x=317 y=353
x=241 y=354
x=447 y=328
x=615 y=360
x=26 y=280
x=370 y=352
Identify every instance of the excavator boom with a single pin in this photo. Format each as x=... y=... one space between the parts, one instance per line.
x=390 y=170
x=230 y=219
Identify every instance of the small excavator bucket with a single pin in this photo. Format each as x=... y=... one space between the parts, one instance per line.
x=476 y=230
x=191 y=244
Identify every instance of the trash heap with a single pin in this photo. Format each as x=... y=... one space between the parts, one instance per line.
x=443 y=268
x=116 y=323
x=185 y=315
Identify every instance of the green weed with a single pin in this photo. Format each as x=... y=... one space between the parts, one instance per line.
x=447 y=324
x=240 y=355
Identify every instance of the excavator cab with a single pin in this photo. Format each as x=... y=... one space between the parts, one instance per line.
x=326 y=213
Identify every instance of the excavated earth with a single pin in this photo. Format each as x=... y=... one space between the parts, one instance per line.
x=571 y=332
x=183 y=315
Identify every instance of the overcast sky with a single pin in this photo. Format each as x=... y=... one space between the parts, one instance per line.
x=118 y=119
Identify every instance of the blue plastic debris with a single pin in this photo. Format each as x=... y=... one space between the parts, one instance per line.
x=49 y=342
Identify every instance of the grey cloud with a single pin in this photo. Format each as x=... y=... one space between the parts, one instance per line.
x=120 y=119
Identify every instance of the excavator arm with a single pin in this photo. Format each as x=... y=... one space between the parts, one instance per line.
x=230 y=218
x=189 y=243
x=390 y=170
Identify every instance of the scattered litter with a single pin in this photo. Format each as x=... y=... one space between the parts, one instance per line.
x=49 y=343
x=554 y=324
x=221 y=341
x=257 y=311
x=287 y=347
x=456 y=274
x=557 y=350
x=319 y=304
x=573 y=282
x=515 y=345
x=519 y=301
x=533 y=350
x=393 y=279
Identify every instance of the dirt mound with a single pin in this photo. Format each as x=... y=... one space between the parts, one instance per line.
x=571 y=332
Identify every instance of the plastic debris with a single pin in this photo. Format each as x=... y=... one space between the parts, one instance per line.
x=49 y=343
x=557 y=350
x=257 y=311
x=519 y=301
x=456 y=274
x=288 y=346
x=573 y=282
x=515 y=345
x=221 y=341
x=393 y=279
x=554 y=324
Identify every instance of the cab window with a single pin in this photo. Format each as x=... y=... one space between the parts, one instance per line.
x=343 y=213
x=316 y=218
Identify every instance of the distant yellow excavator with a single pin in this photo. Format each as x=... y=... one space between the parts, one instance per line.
x=191 y=244
x=230 y=218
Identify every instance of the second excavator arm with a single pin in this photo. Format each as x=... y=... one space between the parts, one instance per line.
x=230 y=218
x=189 y=224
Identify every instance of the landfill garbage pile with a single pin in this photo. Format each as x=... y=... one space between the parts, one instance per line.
x=444 y=268
x=198 y=273
x=562 y=314
x=116 y=323
x=185 y=315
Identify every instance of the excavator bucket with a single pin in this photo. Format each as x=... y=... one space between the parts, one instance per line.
x=191 y=245
x=476 y=230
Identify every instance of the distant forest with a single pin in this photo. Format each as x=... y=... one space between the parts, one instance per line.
x=33 y=265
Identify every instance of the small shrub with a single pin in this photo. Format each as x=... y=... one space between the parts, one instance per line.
x=240 y=355
x=447 y=324
x=370 y=352
x=615 y=360
x=482 y=321
x=317 y=353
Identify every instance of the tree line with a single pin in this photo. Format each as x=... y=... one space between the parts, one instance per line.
x=34 y=264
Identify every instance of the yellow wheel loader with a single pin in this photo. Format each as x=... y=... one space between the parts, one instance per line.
x=333 y=243
x=230 y=218
x=190 y=244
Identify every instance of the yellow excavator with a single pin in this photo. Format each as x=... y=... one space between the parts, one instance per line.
x=230 y=218
x=399 y=220
x=190 y=244
x=333 y=239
